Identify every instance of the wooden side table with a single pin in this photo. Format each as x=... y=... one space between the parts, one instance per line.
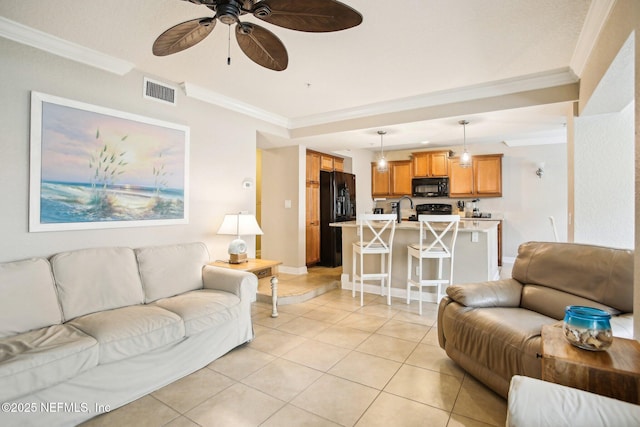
x=264 y=269
x=614 y=372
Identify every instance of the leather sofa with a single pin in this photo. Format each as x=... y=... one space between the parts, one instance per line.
x=84 y=332
x=493 y=329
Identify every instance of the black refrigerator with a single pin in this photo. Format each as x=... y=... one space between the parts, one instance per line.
x=337 y=204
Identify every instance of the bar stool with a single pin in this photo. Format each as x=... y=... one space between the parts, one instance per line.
x=438 y=235
x=382 y=228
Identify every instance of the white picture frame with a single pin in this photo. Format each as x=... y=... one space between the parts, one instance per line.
x=93 y=167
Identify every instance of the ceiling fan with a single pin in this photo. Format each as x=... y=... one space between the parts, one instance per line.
x=259 y=44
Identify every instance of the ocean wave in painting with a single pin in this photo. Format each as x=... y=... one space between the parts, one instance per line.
x=79 y=202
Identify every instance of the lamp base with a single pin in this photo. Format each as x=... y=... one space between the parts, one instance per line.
x=238 y=258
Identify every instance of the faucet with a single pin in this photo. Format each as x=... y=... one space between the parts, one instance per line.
x=398 y=211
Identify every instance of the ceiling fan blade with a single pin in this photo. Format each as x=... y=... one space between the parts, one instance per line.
x=314 y=16
x=183 y=36
x=262 y=46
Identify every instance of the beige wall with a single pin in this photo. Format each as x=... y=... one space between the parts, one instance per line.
x=623 y=22
x=222 y=155
x=284 y=227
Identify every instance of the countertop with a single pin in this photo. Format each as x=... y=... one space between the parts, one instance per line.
x=494 y=217
x=468 y=225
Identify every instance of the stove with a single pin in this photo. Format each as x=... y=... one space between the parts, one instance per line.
x=431 y=209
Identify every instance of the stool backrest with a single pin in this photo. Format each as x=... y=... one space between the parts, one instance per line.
x=433 y=233
x=381 y=227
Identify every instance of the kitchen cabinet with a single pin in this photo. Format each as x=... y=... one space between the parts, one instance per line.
x=313 y=167
x=430 y=163
x=396 y=181
x=401 y=175
x=338 y=164
x=312 y=225
x=380 y=182
x=326 y=162
x=312 y=203
x=482 y=179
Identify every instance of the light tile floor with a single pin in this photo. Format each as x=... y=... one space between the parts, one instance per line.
x=326 y=362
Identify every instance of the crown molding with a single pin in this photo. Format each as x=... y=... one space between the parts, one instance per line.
x=594 y=22
x=542 y=80
x=57 y=46
x=526 y=142
x=211 y=97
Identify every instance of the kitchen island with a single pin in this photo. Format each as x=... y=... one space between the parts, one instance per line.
x=475 y=256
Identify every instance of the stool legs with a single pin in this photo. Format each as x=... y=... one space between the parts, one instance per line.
x=353 y=274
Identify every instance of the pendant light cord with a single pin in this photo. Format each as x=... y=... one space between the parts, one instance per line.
x=464 y=135
x=229 y=47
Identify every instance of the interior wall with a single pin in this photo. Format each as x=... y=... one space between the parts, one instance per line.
x=623 y=22
x=361 y=167
x=604 y=184
x=283 y=202
x=222 y=155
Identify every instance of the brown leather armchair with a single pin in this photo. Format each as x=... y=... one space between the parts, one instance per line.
x=492 y=329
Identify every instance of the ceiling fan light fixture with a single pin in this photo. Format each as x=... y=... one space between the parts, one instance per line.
x=262 y=11
x=259 y=44
x=228 y=13
x=465 y=157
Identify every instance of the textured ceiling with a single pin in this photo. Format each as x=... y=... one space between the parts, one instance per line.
x=403 y=49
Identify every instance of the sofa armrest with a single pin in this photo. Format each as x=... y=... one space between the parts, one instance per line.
x=533 y=402
x=240 y=283
x=496 y=293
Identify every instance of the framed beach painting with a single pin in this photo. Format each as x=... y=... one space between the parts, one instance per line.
x=93 y=167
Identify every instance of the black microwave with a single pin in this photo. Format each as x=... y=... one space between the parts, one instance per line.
x=430 y=187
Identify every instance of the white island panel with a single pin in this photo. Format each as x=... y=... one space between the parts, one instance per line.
x=475 y=256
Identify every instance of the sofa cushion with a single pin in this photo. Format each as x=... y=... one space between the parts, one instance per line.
x=593 y=272
x=92 y=280
x=533 y=402
x=41 y=358
x=29 y=299
x=552 y=303
x=172 y=269
x=504 y=340
x=128 y=331
x=202 y=309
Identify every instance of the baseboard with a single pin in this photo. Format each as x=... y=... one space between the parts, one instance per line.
x=369 y=288
x=508 y=259
x=292 y=270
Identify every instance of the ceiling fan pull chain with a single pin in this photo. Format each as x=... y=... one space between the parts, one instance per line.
x=229 y=46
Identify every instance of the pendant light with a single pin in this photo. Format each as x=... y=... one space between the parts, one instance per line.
x=382 y=164
x=465 y=158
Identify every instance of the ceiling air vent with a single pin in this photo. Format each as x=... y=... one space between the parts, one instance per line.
x=159 y=91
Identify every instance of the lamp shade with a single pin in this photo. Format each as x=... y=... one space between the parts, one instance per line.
x=240 y=225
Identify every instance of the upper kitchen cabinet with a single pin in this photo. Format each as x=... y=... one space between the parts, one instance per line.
x=395 y=182
x=482 y=179
x=322 y=161
x=326 y=162
x=430 y=163
x=338 y=164
x=401 y=174
x=380 y=182
x=313 y=166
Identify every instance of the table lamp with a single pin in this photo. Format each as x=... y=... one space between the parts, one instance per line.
x=239 y=225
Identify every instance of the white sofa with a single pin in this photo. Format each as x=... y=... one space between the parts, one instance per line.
x=536 y=403
x=87 y=331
